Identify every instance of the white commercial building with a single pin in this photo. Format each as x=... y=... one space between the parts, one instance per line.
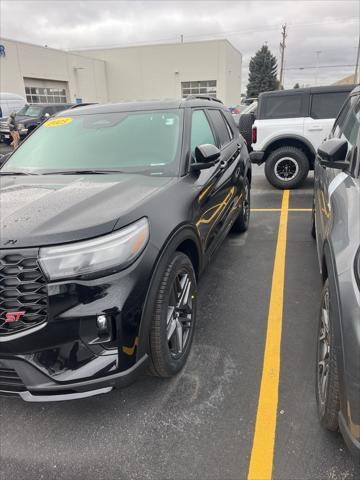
x=147 y=72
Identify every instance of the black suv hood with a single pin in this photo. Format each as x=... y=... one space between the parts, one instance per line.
x=48 y=210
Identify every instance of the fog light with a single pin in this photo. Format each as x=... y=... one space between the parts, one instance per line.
x=102 y=323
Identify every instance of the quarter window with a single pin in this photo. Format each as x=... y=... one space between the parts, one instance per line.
x=327 y=105
x=201 y=132
x=282 y=106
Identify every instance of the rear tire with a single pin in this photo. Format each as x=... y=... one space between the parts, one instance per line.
x=174 y=317
x=241 y=224
x=327 y=378
x=286 y=168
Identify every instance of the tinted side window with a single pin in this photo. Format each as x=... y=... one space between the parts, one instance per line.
x=327 y=105
x=1 y=113
x=286 y=106
x=200 y=130
x=352 y=124
x=339 y=124
x=220 y=126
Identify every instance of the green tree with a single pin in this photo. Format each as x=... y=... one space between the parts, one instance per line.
x=296 y=85
x=262 y=72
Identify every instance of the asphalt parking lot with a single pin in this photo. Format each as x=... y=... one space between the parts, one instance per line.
x=208 y=422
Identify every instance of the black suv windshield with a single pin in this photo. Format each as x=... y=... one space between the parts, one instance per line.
x=142 y=142
x=30 y=111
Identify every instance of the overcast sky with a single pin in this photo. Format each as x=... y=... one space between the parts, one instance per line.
x=329 y=27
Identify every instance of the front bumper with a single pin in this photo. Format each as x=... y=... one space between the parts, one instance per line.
x=257 y=157
x=42 y=388
x=64 y=356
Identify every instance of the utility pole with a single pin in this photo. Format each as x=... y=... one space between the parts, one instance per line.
x=357 y=73
x=282 y=50
x=317 y=65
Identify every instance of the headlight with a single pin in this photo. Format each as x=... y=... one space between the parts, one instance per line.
x=109 y=252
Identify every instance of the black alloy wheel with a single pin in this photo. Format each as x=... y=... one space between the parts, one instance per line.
x=174 y=317
x=241 y=224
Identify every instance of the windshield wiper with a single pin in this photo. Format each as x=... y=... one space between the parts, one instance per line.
x=81 y=172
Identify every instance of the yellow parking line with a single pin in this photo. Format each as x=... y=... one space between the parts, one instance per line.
x=279 y=209
x=261 y=461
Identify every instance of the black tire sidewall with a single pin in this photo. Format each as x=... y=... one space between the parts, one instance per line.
x=241 y=224
x=164 y=364
x=328 y=411
x=298 y=156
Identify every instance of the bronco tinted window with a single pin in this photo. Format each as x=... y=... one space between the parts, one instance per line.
x=327 y=105
x=282 y=106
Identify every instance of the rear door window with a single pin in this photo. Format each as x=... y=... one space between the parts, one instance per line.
x=201 y=132
x=327 y=105
x=220 y=126
x=282 y=106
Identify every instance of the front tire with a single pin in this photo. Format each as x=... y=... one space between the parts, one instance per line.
x=286 y=168
x=327 y=378
x=174 y=317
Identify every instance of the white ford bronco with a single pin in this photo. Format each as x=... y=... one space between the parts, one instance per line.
x=289 y=127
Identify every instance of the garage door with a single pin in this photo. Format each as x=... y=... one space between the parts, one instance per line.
x=45 y=91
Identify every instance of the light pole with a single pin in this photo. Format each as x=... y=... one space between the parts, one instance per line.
x=318 y=52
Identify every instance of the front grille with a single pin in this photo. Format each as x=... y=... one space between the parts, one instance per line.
x=10 y=382
x=23 y=292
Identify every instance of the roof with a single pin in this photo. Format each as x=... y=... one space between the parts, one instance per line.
x=326 y=89
x=12 y=96
x=136 y=106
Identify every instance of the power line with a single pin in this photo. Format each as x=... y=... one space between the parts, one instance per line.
x=211 y=34
x=319 y=66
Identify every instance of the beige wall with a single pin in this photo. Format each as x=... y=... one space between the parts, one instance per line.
x=23 y=60
x=132 y=73
x=156 y=71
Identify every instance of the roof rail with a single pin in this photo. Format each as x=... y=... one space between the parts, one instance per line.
x=203 y=97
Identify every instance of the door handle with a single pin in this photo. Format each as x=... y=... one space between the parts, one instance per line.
x=315 y=129
x=223 y=163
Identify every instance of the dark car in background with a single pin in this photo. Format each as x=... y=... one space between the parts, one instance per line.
x=109 y=215
x=29 y=118
x=336 y=226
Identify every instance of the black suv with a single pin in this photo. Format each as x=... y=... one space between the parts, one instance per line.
x=109 y=214
x=29 y=118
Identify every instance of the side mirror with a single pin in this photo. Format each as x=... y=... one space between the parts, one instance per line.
x=206 y=155
x=332 y=153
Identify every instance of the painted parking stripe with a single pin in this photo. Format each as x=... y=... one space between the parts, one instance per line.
x=261 y=461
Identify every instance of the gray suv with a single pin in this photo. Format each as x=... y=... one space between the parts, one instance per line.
x=336 y=226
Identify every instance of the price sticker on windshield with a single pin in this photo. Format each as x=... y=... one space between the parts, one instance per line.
x=58 y=122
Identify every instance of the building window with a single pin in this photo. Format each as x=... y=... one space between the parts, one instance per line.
x=45 y=95
x=207 y=87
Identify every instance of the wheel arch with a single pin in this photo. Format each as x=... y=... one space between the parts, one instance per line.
x=291 y=141
x=185 y=240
